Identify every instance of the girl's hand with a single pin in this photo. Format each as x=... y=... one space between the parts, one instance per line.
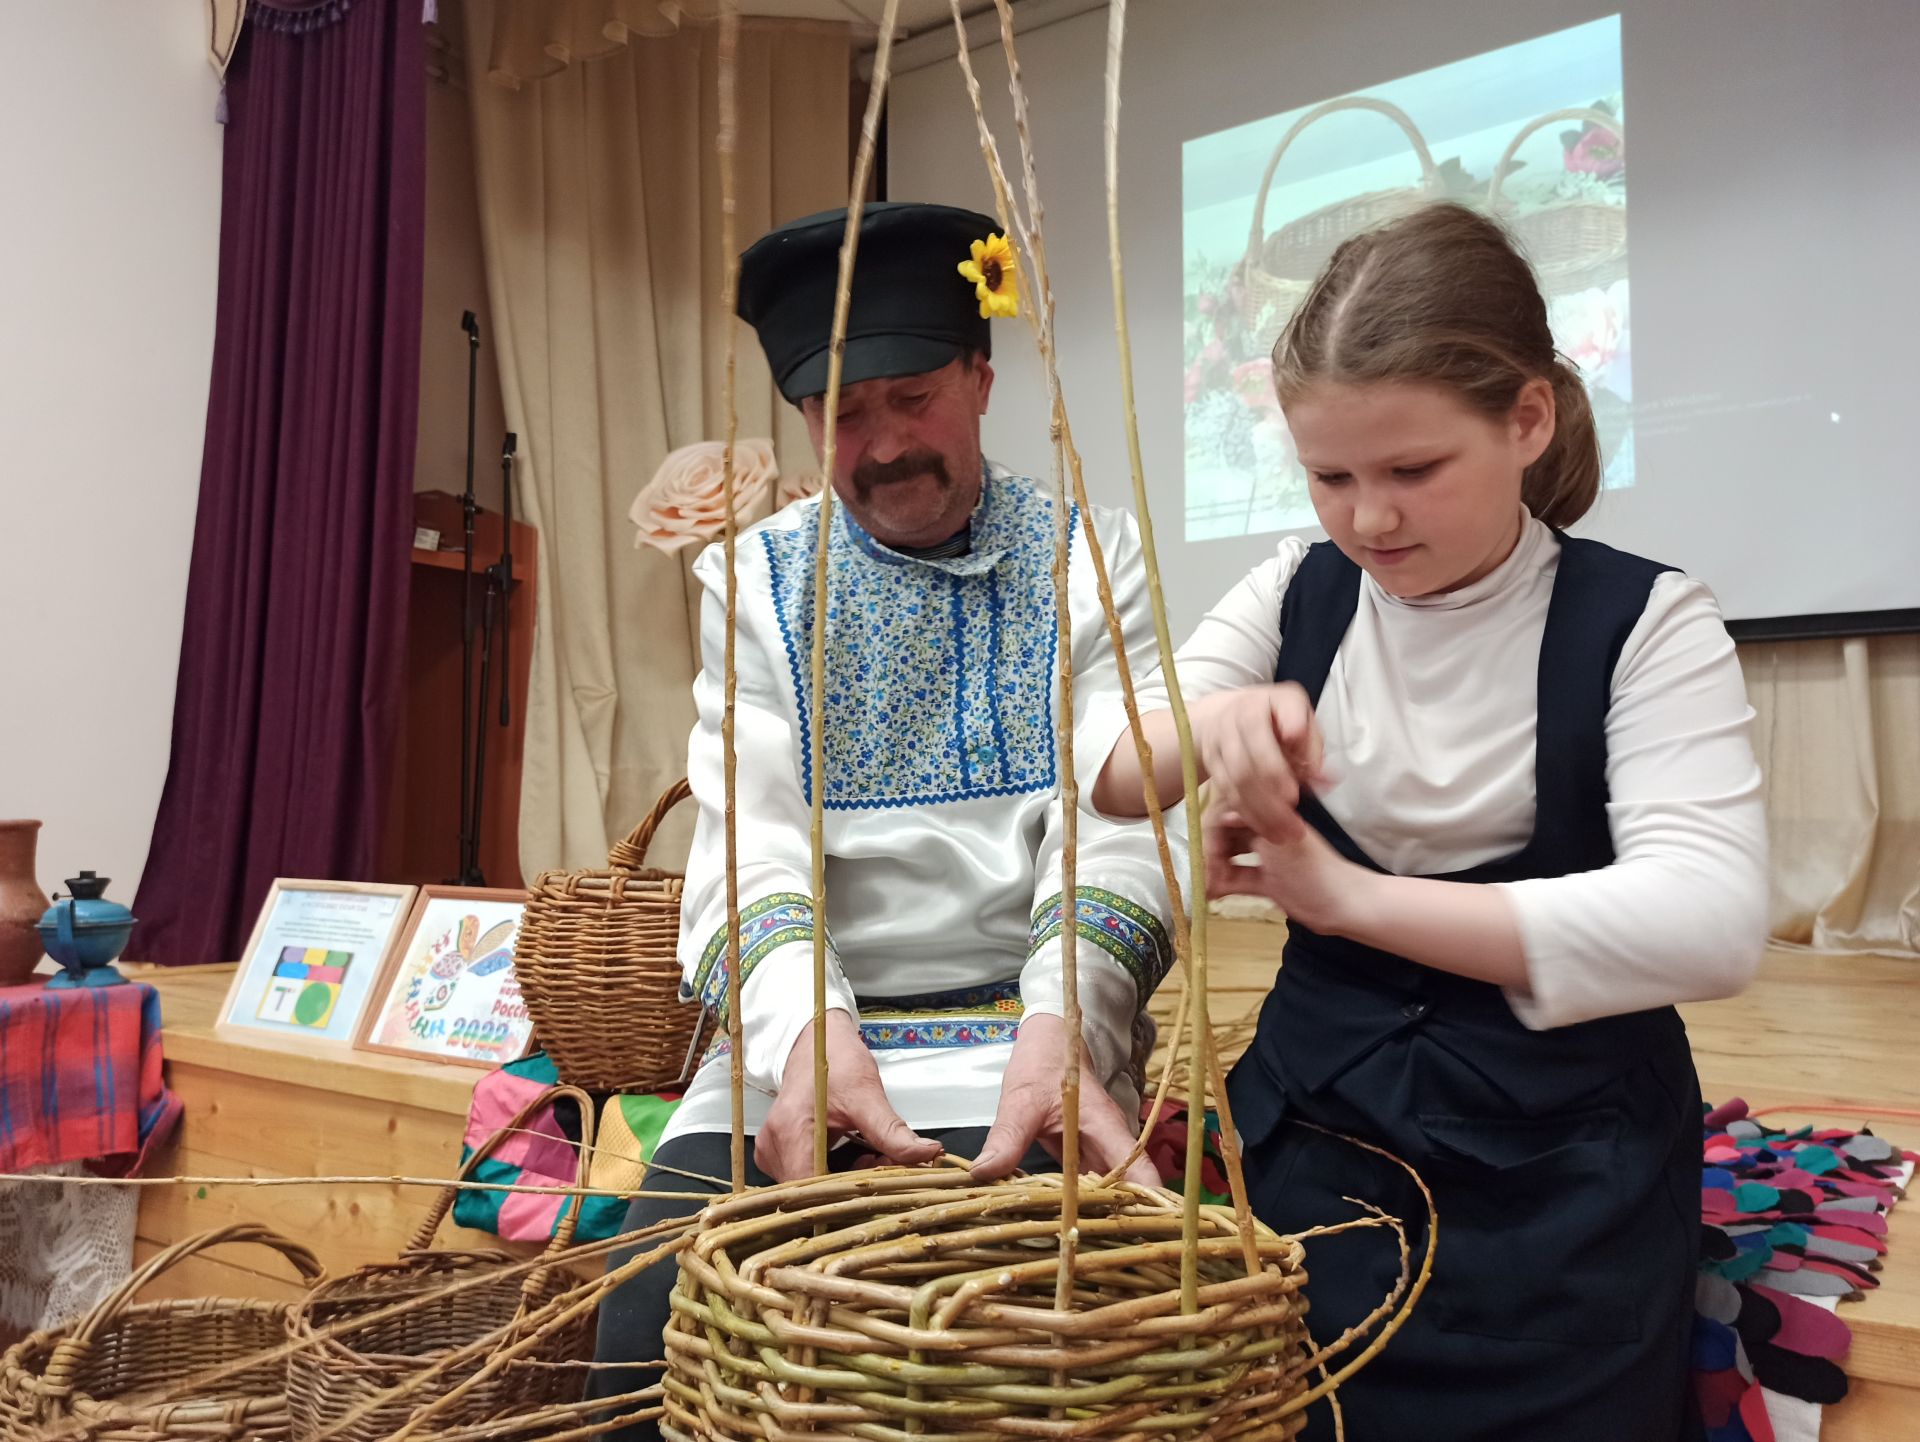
x=1258 y=746
x=1302 y=875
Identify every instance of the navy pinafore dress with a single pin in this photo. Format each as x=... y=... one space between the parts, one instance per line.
x=1565 y=1164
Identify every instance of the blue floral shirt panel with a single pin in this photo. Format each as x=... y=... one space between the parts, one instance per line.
x=940 y=673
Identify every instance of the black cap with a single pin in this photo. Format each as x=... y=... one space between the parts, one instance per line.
x=911 y=309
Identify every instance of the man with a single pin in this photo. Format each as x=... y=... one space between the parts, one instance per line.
x=943 y=827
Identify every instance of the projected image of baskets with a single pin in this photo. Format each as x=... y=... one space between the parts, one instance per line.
x=1280 y=267
x=1574 y=244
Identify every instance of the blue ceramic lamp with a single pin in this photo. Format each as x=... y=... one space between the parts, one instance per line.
x=84 y=933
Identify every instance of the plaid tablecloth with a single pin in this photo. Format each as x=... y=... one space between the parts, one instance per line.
x=80 y=1077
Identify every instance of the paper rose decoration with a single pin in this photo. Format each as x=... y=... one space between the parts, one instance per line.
x=685 y=502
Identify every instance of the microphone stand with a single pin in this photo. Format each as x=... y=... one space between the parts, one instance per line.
x=468 y=872
x=499 y=578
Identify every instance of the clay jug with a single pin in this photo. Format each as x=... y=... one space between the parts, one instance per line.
x=22 y=902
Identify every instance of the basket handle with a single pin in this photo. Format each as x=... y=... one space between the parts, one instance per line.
x=631 y=854
x=1429 y=174
x=1586 y=113
x=569 y=1209
x=72 y=1351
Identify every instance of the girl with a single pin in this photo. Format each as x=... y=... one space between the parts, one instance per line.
x=1499 y=781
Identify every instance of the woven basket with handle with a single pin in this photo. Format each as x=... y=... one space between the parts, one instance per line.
x=112 y=1375
x=1280 y=268
x=597 y=962
x=329 y=1378
x=1574 y=244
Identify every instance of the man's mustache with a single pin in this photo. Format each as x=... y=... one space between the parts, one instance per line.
x=870 y=474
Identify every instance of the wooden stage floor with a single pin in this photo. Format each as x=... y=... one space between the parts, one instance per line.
x=1832 y=1037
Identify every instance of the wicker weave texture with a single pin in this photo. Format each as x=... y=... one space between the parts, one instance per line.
x=353 y=1375
x=597 y=961
x=99 y=1377
x=916 y=1302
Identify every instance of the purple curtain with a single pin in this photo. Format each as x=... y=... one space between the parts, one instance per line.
x=294 y=647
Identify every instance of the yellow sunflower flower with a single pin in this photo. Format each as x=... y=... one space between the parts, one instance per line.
x=995 y=278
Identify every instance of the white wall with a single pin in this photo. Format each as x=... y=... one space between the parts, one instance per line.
x=110 y=187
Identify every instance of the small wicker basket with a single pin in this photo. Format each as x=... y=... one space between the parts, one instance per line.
x=1280 y=268
x=597 y=962
x=102 y=1376
x=330 y=1378
x=1575 y=244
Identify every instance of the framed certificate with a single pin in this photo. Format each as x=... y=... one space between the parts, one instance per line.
x=311 y=964
x=447 y=991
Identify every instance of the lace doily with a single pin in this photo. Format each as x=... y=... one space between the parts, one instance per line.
x=61 y=1248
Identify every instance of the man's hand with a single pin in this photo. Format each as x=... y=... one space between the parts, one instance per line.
x=1030 y=1109
x=856 y=1102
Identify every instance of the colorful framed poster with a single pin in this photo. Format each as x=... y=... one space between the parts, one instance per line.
x=447 y=991
x=312 y=962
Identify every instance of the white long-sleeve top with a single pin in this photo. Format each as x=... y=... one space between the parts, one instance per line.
x=1429 y=716
x=943 y=822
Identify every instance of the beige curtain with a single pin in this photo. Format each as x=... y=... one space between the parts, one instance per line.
x=1838 y=733
x=600 y=219
x=532 y=39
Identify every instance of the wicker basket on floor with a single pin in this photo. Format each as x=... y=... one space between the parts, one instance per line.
x=112 y=1375
x=1280 y=268
x=1574 y=244
x=597 y=962
x=330 y=1378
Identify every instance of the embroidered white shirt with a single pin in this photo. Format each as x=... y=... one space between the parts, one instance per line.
x=943 y=824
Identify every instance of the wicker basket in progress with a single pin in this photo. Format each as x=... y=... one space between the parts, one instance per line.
x=916 y=1301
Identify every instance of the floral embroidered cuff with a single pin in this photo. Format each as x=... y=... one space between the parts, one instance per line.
x=1125 y=930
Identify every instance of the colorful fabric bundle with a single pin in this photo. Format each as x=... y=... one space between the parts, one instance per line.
x=545 y=1153
x=1167 y=1150
x=1792 y=1223
x=630 y=1127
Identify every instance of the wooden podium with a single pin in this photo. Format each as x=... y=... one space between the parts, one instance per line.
x=422 y=840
